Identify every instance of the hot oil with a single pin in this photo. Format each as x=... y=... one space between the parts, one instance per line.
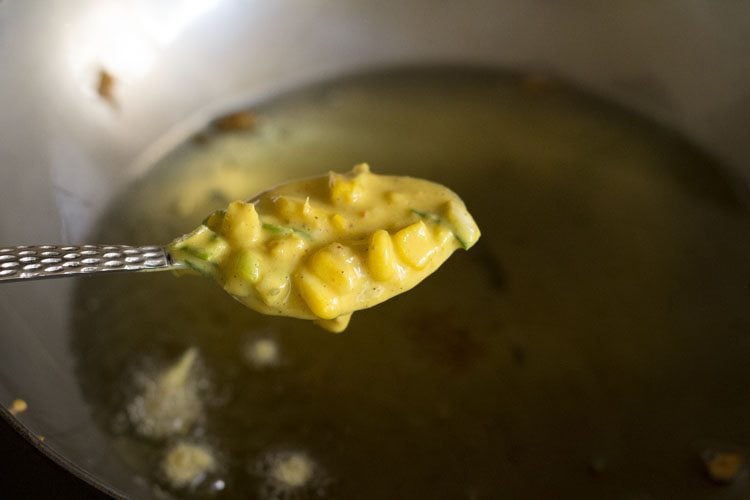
x=593 y=344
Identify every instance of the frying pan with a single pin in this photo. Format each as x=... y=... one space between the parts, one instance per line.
x=64 y=153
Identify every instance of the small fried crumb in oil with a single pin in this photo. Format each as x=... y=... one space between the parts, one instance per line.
x=241 y=120
x=106 y=86
x=723 y=466
x=18 y=406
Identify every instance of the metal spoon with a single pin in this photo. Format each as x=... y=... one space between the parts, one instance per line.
x=35 y=262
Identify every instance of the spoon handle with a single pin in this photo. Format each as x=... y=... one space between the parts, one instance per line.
x=22 y=263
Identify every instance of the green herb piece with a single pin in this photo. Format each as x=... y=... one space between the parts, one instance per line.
x=436 y=219
x=285 y=230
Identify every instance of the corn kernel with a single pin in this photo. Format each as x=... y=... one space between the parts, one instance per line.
x=344 y=191
x=291 y=208
x=338 y=222
x=241 y=224
x=380 y=258
x=287 y=248
x=320 y=298
x=274 y=289
x=415 y=245
x=337 y=267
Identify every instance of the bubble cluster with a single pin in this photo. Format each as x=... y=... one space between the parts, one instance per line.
x=289 y=474
x=186 y=464
x=169 y=402
x=262 y=352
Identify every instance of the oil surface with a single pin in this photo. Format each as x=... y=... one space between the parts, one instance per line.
x=593 y=344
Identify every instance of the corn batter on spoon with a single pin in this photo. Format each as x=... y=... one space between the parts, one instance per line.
x=316 y=249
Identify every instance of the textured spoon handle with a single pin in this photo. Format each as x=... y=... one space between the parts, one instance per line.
x=53 y=261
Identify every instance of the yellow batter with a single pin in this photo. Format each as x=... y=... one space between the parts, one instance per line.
x=324 y=247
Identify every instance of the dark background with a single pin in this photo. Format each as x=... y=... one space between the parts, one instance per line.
x=27 y=474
